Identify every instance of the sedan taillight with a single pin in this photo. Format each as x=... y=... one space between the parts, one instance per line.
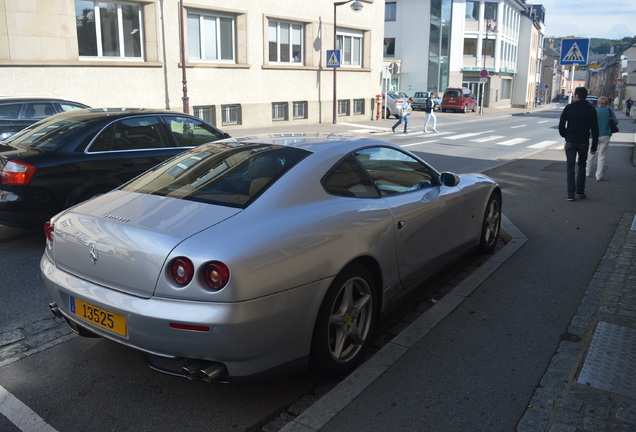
x=17 y=172
x=216 y=275
x=182 y=270
x=49 y=228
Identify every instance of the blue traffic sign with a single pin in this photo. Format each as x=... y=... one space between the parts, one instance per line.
x=574 y=51
x=333 y=58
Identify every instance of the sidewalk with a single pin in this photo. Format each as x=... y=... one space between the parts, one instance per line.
x=590 y=380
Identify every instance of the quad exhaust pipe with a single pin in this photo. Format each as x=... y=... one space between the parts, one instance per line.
x=208 y=372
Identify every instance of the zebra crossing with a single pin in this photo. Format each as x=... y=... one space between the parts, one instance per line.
x=487 y=136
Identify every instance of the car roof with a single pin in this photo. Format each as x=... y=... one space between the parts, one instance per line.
x=110 y=113
x=35 y=98
x=313 y=142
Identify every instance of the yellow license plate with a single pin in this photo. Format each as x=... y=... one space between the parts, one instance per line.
x=98 y=316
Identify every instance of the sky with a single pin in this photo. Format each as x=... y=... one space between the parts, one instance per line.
x=607 y=19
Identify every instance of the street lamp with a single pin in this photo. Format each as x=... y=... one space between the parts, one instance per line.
x=184 y=80
x=492 y=29
x=356 y=6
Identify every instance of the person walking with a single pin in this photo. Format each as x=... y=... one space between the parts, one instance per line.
x=405 y=110
x=628 y=106
x=430 y=112
x=604 y=114
x=578 y=120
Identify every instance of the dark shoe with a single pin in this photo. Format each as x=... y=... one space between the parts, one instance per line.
x=393 y=129
x=581 y=195
x=570 y=198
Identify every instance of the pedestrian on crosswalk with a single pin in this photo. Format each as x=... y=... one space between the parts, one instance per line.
x=430 y=112
x=578 y=120
x=604 y=114
x=405 y=110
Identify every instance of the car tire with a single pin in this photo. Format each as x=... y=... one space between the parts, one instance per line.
x=345 y=322
x=491 y=224
x=387 y=113
x=443 y=109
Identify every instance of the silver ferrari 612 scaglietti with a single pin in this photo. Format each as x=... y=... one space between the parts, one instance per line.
x=246 y=256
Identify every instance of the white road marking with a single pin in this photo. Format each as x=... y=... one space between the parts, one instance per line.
x=544 y=121
x=418 y=143
x=487 y=138
x=517 y=127
x=512 y=142
x=466 y=135
x=543 y=144
x=21 y=415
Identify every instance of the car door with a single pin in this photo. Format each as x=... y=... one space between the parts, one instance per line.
x=426 y=215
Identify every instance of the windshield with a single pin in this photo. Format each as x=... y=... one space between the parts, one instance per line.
x=45 y=134
x=230 y=174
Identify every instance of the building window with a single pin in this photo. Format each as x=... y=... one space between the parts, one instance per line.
x=350 y=44
x=506 y=85
x=490 y=12
x=230 y=115
x=389 y=47
x=285 y=42
x=206 y=113
x=358 y=106
x=390 y=10
x=343 y=107
x=472 y=10
x=109 y=29
x=489 y=47
x=470 y=47
x=300 y=110
x=280 y=111
x=210 y=37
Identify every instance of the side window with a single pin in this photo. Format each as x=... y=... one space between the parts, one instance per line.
x=190 y=132
x=67 y=106
x=395 y=172
x=38 y=110
x=348 y=179
x=10 y=111
x=138 y=133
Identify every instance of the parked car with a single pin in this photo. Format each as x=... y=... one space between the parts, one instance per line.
x=419 y=101
x=394 y=101
x=72 y=156
x=593 y=100
x=459 y=99
x=16 y=113
x=246 y=256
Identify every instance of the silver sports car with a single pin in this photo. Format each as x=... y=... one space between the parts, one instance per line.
x=246 y=256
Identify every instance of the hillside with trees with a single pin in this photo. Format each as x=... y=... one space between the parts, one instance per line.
x=604 y=46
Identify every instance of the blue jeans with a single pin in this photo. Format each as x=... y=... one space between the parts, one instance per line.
x=405 y=119
x=572 y=150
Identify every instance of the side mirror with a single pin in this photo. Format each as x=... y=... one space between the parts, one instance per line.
x=449 y=179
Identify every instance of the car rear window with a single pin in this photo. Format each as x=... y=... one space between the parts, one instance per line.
x=222 y=174
x=46 y=135
x=453 y=93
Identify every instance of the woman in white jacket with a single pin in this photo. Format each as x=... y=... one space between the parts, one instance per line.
x=604 y=113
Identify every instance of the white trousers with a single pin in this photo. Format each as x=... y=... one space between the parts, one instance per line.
x=601 y=151
x=430 y=116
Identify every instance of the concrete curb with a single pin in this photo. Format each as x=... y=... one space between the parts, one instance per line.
x=328 y=406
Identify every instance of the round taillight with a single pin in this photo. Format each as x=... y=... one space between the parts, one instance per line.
x=182 y=270
x=216 y=275
x=48 y=231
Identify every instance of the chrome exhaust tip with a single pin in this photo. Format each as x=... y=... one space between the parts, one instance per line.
x=213 y=372
x=191 y=371
x=55 y=310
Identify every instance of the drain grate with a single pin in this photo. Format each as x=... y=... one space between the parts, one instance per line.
x=611 y=362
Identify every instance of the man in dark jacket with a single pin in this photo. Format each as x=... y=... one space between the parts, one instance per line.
x=578 y=121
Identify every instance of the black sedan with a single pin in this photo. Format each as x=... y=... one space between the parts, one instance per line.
x=70 y=157
x=16 y=113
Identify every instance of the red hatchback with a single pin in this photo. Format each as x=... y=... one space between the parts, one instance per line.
x=458 y=99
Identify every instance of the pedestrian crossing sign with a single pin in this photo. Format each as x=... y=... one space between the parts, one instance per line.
x=333 y=58
x=574 y=51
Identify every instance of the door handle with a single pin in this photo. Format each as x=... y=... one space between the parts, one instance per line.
x=401 y=224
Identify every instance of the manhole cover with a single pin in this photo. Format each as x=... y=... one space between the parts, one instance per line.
x=611 y=362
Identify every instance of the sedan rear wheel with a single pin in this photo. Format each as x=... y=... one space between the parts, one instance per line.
x=491 y=225
x=345 y=322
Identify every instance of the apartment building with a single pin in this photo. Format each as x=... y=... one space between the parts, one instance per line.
x=464 y=43
x=232 y=62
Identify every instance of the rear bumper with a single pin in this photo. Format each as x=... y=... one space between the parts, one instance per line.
x=248 y=337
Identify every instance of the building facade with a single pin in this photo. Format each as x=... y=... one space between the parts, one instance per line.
x=233 y=63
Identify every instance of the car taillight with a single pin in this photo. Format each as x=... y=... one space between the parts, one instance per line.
x=17 y=172
x=49 y=228
x=182 y=270
x=216 y=275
